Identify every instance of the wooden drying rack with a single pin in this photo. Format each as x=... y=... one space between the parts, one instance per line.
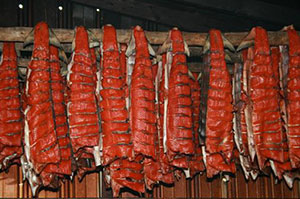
x=18 y=34
x=193 y=39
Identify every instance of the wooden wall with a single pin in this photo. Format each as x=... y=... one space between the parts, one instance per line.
x=11 y=185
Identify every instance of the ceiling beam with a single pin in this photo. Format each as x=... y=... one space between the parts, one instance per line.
x=185 y=18
x=253 y=9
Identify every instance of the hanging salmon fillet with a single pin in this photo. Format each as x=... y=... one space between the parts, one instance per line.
x=58 y=87
x=152 y=169
x=293 y=97
x=240 y=99
x=262 y=113
x=41 y=144
x=166 y=169
x=125 y=171
x=116 y=137
x=217 y=110
x=83 y=112
x=283 y=169
x=177 y=124
x=116 y=150
x=142 y=95
x=11 y=121
x=196 y=163
x=123 y=60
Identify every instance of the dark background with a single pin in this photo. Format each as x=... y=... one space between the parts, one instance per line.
x=154 y=15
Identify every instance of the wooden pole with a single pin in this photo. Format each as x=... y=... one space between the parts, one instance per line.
x=67 y=47
x=17 y=34
x=23 y=63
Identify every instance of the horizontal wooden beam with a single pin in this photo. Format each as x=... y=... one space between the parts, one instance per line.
x=23 y=63
x=18 y=34
x=194 y=50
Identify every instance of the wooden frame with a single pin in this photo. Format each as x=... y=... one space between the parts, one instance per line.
x=18 y=34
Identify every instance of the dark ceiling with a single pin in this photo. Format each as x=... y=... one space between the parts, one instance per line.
x=202 y=15
x=188 y=15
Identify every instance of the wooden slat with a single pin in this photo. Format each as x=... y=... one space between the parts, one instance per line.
x=18 y=34
x=194 y=67
x=155 y=192
x=80 y=190
x=192 y=187
x=252 y=191
x=260 y=185
x=267 y=186
x=204 y=187
x=276 y=188
x=288 y=193
x=42 y=194
x=216 y=187
x=20 y=183
x=296 y=189
x=232 y=188
x=92 y=185
x=241 y=185
x=180 y=188
x=168 y=191
x=9 y=183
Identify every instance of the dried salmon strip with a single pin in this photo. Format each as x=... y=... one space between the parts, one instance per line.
x=82 y=106
x=11 y=119
x=217 y=108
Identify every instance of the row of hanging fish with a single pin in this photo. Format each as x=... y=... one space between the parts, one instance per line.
x=142 y=116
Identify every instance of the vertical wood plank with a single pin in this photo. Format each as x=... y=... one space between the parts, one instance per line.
x=25 y=189
x=204 y=187
x=193 y=186
x=197 y=186
x=231 y=188
x=52 y=194
x=297 y=189
x=180 y=188
x=158 y=191
x=241 y=185
x=92 y=185
x=63 y=189
x=80 y=187
x=72 y=187
x=10 y=182
x=168 y=191
x=276 y=188
x=20 y=183
x=2 y=184
x=42 y=194
x=267 y=187
x=252 y=191
x=189 y=191
x=216 y=187
x=258 y=184
x=288 y=193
